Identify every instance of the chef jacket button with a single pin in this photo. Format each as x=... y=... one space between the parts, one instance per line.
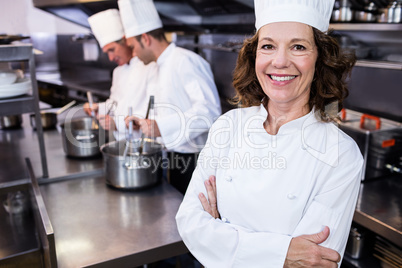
x=228 y=178
x=225 y=220
x=291 y=196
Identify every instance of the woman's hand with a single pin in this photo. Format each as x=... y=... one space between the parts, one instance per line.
x=210 y=206
x=305 y=251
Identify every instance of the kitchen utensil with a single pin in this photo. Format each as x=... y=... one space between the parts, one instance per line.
x=144 y=171
x=95 y=124
x=49 y=119
x=392 y=13
x=10 y=121
x=130 y=133
x=16 y=202
x=379 y=140
x=150 y=108
x=342 y=11
x=80 y=139
x=368 y=14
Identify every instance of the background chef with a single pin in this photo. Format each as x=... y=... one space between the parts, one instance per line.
x=129 y=79
x=186 y=98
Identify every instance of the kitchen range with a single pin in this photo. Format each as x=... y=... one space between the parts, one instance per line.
x=72 y=215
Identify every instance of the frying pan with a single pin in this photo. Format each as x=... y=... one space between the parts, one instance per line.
x=49 y=119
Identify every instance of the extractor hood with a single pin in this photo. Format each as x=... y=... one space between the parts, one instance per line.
x=176 y=15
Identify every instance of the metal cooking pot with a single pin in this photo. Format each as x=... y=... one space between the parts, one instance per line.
x=80 y=139
x=49 y=119
x=10 y=121
x=133 y=171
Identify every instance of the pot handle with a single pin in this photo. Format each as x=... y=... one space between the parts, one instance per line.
x=372 y=117
x=343 y=114
x=85 y=137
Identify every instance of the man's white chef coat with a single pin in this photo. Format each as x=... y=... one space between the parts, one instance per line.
x=270 y=188
x=186 y=99
x=129 y=89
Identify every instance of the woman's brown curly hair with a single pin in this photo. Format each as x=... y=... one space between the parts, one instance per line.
x=329 y=86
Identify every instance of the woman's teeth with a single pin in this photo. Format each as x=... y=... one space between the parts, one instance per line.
x=282 y=78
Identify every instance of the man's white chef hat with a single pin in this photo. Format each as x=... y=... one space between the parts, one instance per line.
x=316 y=13
x=106 y=26
x=139 y=16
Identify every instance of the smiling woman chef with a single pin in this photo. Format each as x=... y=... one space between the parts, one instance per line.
x=281 y=179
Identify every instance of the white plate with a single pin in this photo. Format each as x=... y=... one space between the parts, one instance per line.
x=20 y=87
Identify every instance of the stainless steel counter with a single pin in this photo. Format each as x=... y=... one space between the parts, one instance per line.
x=17 y=144
x=379 y=207
x=95 y=225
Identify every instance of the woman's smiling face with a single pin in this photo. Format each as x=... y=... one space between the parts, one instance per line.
x=285 y=62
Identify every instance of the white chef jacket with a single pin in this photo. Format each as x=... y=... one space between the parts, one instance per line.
x=129 y=89
x=186 y=99
x=270 y=188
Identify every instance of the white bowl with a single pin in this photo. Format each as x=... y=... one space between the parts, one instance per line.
x=20 y=87
x=7 y=77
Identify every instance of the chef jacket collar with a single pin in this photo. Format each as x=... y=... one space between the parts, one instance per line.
x=133 y=60
x=290 y=127
x=165 y=54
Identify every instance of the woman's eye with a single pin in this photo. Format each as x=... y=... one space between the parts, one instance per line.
x=267 y=47
x=299 y=47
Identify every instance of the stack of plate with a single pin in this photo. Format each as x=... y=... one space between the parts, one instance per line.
x=12 y=85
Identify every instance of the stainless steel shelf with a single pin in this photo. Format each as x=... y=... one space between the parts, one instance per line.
x=366 y=26
x=25 y=103
x=379 y=64
x=15 y=52
x=19 y=105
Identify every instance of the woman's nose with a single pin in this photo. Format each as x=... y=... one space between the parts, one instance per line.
x=281 y=59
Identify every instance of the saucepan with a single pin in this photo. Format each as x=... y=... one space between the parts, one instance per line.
x=132 y=170
x=81 y=139
x=49 y=119
x=10 y=121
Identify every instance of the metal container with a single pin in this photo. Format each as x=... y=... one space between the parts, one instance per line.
x=81 y=139
x=48 y=119
x=355 y=245
x=132 y=170
x=379 y=140
x=10 y=121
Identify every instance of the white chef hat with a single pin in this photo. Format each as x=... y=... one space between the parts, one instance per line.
x=316 y=13
x=106 y=26
x=139 y=16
